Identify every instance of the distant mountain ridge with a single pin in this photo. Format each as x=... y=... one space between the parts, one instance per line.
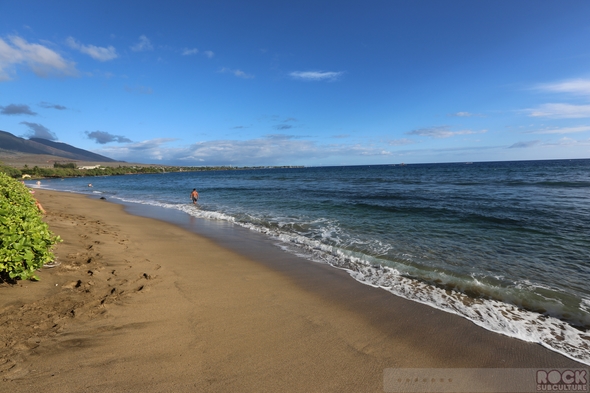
x=15 y=144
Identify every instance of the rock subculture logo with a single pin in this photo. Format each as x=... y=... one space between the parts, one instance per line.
x=562 y=380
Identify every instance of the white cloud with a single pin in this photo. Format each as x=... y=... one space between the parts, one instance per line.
x=316 y=75
x=466 y=114
x=575 y=87
x=238 y=73
x=562 y=130
x=96 y=52
x=442 y=132
x=572 y=86
x=40 y=59
x=276 y=149
x=188 y=52
x=144 y=44
x=150 y=144
x=400 y=142
x=561 y=111
x=565 y=141
x=140 y=151
x=193 y=51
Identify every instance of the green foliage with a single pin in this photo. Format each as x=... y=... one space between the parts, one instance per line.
x=69 y=170
x=25 y=240
x=70 y=165
x=66 y=170
x=12 y=172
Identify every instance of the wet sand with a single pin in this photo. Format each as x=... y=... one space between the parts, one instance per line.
x=141 y=305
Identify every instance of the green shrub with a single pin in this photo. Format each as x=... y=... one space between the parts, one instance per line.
x=25 y=240
x=69 y=165
x=12 y=172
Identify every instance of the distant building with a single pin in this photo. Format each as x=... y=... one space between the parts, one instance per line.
x=89 y=167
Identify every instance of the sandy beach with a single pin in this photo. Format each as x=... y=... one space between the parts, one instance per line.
x=140 y=305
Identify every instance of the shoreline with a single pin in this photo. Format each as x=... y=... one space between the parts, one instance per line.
x=166 y=309
x=238 y=238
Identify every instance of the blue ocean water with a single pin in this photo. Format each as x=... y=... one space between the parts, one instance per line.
x=504 y=244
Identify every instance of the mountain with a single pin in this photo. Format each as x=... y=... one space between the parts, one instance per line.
x=14 y=144
x=64 y=147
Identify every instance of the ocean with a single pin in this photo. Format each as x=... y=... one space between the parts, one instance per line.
x=503 y=244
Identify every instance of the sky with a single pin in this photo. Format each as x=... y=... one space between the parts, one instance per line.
x=248 y=83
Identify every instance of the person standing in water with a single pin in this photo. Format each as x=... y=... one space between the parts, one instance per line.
x=194 y=196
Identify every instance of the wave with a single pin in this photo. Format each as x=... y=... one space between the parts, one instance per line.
x=545 y=184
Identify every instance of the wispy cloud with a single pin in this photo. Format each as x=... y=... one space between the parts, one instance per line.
x=150 y=144
x=104 y=137
x=316 y=75
x=36 y=130
x=565 y=141
x=571 y=86
x=281 y=137
x=40 y=59
x=96 y=52
x=238 y=73
x=141 y=151
x=139 y=89
x=466 y=114
x=442 y=132
x=188 y=52
x=562 y=130
x=194 y=51
x=102 y=74
x=560 y=111
x=143 y=45
x=524 y=145
x=49 y=105
x=17 y=109
x=276 y=149
x=400 y=142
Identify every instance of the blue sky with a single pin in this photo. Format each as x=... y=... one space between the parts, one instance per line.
x=300 y=82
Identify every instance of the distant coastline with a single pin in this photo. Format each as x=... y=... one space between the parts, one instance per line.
x=71 y=169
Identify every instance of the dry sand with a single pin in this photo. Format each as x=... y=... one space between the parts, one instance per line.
x=140 y=305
